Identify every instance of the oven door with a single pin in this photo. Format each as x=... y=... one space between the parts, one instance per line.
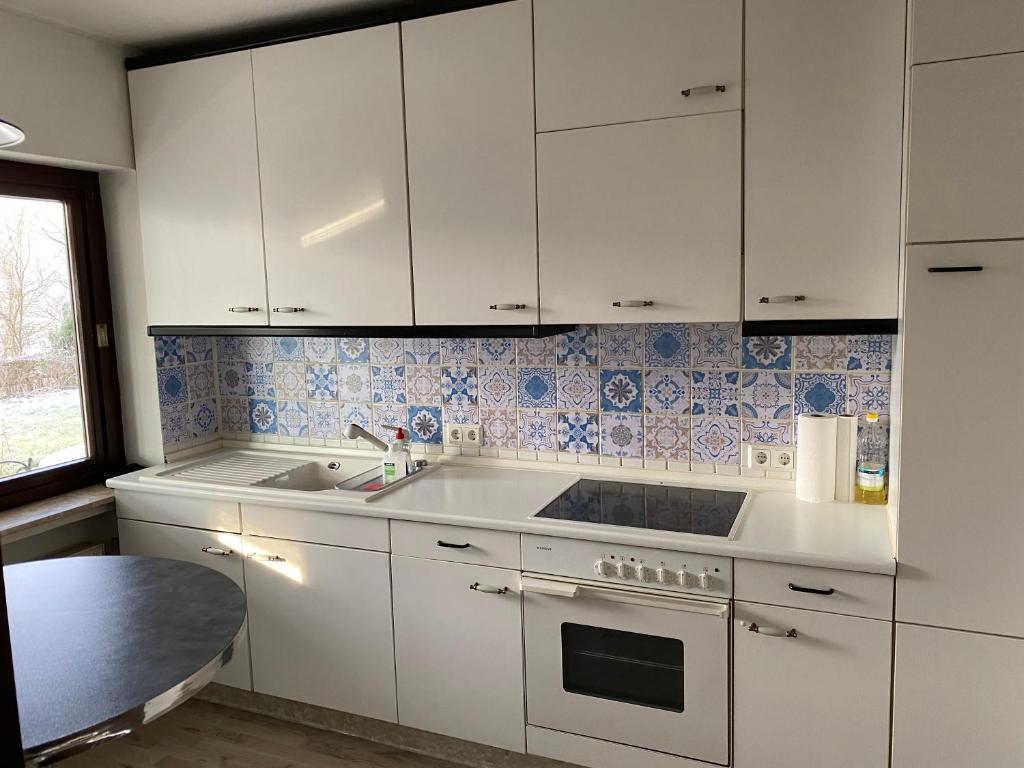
x=632 y=666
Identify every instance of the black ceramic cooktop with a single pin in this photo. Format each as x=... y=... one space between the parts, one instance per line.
x=656 y=507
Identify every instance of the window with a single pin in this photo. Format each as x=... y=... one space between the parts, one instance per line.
x=60 y=421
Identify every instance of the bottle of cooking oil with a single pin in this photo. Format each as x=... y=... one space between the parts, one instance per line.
x=872 y=461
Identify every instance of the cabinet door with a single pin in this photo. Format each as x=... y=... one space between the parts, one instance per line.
x=824 y=158
x=820 y=698
x=957 y=699
x=966 y=177
x=953 y=29
x=320 y=625
x=959 y=508
x=463 y=645
x=645 y=212
x=199 y=191
x=472 y=186
x=332 y=168
x=606 y=61
x=219 y=551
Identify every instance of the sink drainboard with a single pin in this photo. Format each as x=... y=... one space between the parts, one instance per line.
x=242 y=469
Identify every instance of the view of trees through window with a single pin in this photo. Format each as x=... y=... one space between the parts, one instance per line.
x=41 y=412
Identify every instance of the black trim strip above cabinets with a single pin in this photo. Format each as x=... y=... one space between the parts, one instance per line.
x=819 y=327
x=375 y=331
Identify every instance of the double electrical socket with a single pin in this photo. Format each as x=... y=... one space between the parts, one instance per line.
x=770 y=457
x=462 y=434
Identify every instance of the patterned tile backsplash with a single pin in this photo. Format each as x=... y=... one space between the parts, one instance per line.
x=666 y=396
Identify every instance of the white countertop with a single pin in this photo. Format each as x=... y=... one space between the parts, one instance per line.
x=774 y=525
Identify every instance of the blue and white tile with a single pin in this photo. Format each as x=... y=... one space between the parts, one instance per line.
x=423 y=384
x=321 y=381
x=578 y=347
x=767 y=431
x=536 y=388
x=172 y=384
x=387 y=383
x=667 y=345
x=767 y=395
x=290 y=380
x=461 y=413
x=320 y=349
x=234 y=415
x=459 y=386
x=199 y=349
x=258 y=349
x=459 y=352
x=621 y=390
x=768 y=352
x=175 y=424
x=387 y=352
x=262 y=416
x=423 y=351
x=292 y=418
x=537 y=430
x=621 y=345
x=819 y=353
x=354 y=382
x=231 y=379
x=202 y=381
x=203 y=418
x=425 y=424
x=259 y=379
x=715 y=345
x=539 y=353
x=577 y=389
x=869 y=353
x=498 y=428
x=497 y=351
x=497 y=386
x=230 y=349
x=578 y=432
x=715 y=440
x=355 y=413
x=385 y=416
x=353 y=349
x=715 y=393
x=289 y=349
x=667 y=390
x=324 y=420
x=622 y=435
x=820 y=393
x=869 y=393
x=170 y=351
x=667 y=436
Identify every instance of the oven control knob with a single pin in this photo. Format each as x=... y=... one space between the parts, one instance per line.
x=683 y=577
x=643 y=573
x=622 y=570
x=706 y=580
x=603 y=568
x=663 y=575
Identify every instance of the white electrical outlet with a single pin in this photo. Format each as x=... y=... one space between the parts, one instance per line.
x=782 y=458
x=758 y=457
x=471 y=434
x=454 y=434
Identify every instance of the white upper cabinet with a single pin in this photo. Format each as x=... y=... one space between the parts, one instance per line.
x=641 y=222
x=472 y=186
x=967 y=150
x=956 y=29
x=332 y=169
x=608 y=61
x=824 y=115
x=199 y=191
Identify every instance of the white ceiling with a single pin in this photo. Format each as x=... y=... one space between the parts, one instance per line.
x=147 y=24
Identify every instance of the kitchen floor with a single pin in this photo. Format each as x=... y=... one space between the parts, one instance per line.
x=199 y=734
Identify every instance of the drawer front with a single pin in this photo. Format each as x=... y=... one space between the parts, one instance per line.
x=455 y=543
x=855 y=594
x=177 y=510
x=316 y=527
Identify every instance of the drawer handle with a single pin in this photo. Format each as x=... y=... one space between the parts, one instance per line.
x=476 y=586
x=770 y=631
x=633 y=303
x=266 y=558
x=716 y=88
x=811 y=590
x=943 y=270
x=507 y=306
x=289 y=310
x=243 y=309
x=449 y=545
x=781 y=299
x=217 y=551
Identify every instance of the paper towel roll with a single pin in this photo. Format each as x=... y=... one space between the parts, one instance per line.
x=816 y=462
x=846 y=457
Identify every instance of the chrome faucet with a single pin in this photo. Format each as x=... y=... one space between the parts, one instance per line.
x=354 y=432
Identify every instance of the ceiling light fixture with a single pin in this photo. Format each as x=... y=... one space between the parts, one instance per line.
x=10 y=134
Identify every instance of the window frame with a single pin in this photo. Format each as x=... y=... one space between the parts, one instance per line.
x=80 y=192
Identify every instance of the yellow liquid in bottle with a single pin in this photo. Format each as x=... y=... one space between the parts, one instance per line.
x=871 y=484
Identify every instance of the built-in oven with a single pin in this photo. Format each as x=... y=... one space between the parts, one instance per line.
x=636 y=654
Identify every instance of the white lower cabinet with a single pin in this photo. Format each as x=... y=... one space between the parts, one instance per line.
x=320 y=625
x=214 y=549
x=819 y=698
x=459 y=650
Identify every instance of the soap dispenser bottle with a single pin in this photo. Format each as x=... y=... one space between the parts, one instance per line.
x=396 y=460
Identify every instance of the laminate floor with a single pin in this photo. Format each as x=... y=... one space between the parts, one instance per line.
x=199 y=734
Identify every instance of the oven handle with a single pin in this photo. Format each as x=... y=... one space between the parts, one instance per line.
x=571 y=589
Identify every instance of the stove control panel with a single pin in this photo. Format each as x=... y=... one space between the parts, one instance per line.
x=640 y=566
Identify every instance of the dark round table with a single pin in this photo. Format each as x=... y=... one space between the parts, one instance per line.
x=102 y=645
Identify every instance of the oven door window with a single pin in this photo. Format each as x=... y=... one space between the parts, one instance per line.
x=623 y=666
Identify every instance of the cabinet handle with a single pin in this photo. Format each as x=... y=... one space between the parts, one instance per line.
x=941 y=270
x=452 y=546
x=781 y=299
x=266 y=558
x=811 y=590
x=633 y=303
x=243 y=309
x=289 y=310
x=217 y=551
x=695 y=89
x=507 y=306
x=476 y=586
x=769 y=631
